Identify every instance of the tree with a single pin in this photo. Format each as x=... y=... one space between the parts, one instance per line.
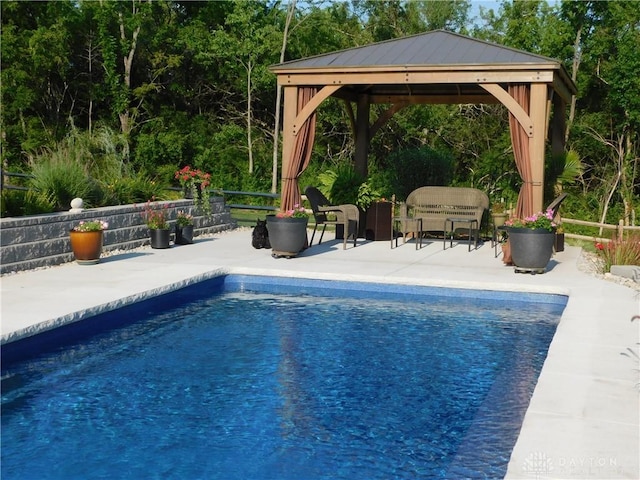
x=608 y=107
x=245 y=42
x=285 y=35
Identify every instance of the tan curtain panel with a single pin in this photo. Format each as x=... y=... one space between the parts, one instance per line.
x=301 y=153
x=520 y=144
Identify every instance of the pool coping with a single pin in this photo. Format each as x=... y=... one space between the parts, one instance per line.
x=84 y=313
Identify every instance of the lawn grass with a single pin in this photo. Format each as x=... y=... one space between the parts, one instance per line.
x=247 y=218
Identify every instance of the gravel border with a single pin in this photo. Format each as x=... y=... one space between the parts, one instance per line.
x=590 y=263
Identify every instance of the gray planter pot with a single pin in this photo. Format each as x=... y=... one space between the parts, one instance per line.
x=288 y=236
x=159 y=238
x=184 y=235
x=531 y=250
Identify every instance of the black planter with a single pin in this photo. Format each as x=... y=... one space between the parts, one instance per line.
x=559 y=243
x=531 y=250
x=184 y=235
x=160 y=238
x=288 y=236
x=187 y=192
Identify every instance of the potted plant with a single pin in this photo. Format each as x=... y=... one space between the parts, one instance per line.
x=498 y=214
x=184 y=228
x=156 y=219
x=86 y=241
x=194 y=184
x=531 y=241
x=288 y=232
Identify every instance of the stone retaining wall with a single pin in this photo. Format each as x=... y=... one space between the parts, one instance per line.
x=43 y=240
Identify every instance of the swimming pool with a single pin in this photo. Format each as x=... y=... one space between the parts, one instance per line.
x=255 y=377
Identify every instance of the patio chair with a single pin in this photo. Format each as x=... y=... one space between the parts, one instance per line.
x=347 y=215
x=555 y=205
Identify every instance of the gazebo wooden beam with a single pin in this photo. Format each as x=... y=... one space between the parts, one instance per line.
x=433 y=99
x=418 y=99
x=415 y=77
x=513 y=106
x=313 y=104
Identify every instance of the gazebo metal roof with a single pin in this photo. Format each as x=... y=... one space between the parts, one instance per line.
x=445 y=66
x=437 y=47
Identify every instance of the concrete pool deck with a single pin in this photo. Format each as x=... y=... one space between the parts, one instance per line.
x=583 y=419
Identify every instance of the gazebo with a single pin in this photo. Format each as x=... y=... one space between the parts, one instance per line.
x=436 y=67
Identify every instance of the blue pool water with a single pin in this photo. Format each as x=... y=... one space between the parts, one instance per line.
x=255 y=378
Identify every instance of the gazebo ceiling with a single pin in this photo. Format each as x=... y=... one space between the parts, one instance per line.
x=432 y=67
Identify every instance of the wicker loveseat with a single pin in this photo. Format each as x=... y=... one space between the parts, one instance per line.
x=436 y=206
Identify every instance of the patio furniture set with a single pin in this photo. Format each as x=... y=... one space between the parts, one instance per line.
x=427 y=209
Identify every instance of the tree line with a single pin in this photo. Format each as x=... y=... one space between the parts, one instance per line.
x=124 y=93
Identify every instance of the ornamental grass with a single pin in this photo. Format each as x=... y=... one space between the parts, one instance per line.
x=619 y=252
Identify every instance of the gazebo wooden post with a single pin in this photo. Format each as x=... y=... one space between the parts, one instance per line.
x=290 y=107
x=558 y=125
x=362 y=135
x=538 y=115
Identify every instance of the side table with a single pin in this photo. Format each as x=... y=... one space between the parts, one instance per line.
x=407 y=222
x=471 y=222
x=499 y=236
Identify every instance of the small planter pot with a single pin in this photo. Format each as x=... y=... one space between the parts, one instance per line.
x=187 y=192
x=86 y=246
x=160 y=238
x=531 y=250
x=184 y=235
x=288 y=236
x=498 y=219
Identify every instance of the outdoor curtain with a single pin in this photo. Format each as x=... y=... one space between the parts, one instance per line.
x=520 y=144
x=300 y=154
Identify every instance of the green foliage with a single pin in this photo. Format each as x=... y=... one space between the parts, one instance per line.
x=200 y=72
x=62 y=178
x=135 y=187
x=417 y=167
x=166 y=146
x=366 y=195
x=16 y=203
x=341 y=183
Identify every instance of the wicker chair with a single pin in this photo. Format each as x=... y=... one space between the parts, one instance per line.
x=325 y=214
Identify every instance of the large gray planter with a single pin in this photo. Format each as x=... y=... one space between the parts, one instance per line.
x=288 y=236
x=531 y=250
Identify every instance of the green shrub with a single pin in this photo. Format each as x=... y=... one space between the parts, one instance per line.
x=133 y=188
x=418 y=167
x=16 y=203
x=341 y=183
x=61 y=178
